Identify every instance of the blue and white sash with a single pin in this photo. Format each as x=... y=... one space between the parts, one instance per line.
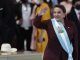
x=63 y=38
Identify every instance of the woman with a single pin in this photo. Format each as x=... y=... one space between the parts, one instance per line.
x=57 y=28
x=40 y=34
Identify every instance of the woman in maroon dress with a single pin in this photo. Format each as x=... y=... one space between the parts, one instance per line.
x=54 y=49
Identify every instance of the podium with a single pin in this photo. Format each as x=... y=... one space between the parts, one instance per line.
x=26 y=55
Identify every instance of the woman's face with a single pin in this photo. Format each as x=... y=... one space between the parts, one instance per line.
x=58 y=13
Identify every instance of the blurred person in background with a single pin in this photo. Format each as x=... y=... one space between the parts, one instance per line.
x=41 y=37
x=74 y=16
x=23 y=11
x=8 y=26
x=67 y=4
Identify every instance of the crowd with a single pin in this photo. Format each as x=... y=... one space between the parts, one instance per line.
x=51 y=27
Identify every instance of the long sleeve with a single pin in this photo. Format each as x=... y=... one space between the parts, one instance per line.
x=40 y=24
x=75 y=44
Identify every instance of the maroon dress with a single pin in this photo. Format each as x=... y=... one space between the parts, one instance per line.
x=54 y=50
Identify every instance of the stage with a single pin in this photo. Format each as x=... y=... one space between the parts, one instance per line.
x=26 y=55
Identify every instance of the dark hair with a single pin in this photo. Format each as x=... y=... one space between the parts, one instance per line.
x=74 y=1
x=61 y=7
x=49 y=3
x=24 y=1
